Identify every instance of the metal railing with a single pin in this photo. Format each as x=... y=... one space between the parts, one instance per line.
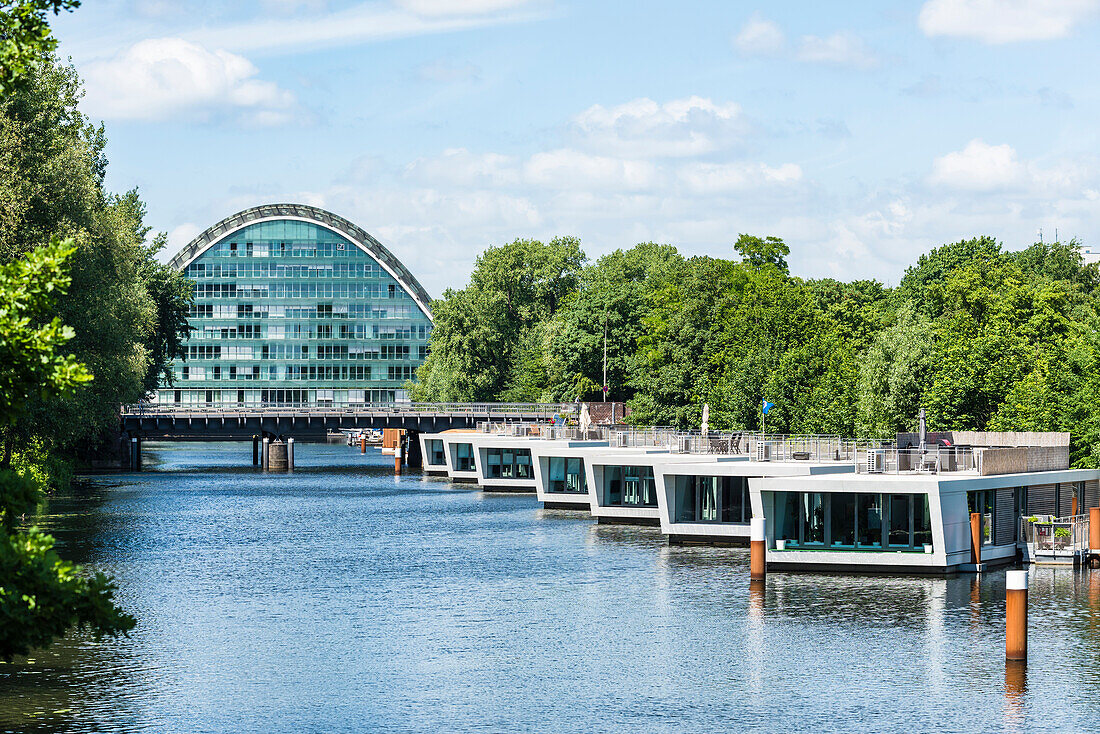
x=888 y=459
x=809 y=447
x=1049 y=534
x=519 y=409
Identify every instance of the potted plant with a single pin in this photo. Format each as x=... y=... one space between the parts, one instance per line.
x=1061 y=538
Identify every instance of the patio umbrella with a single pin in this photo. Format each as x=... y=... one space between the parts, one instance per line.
x=706 y=419
x=585 y=421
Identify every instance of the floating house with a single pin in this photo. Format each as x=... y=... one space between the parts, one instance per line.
x=622 y=485
x=955 y=502
x=561 y=481
x=708 y=502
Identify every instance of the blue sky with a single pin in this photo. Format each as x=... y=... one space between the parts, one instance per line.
x=863 y=133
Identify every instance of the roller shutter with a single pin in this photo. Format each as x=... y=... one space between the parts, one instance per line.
x=1004 y=522
x=1092 y=494
x=1040 y=499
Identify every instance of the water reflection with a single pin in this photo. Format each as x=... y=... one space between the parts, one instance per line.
x=343 y=598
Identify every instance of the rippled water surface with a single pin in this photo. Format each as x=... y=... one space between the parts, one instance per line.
x=339 y=598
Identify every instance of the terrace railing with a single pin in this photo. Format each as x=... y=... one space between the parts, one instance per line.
x=888 y=459
x=1049 y=534
x=547 y=410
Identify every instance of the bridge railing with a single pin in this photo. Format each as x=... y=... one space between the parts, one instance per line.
x=547 y=410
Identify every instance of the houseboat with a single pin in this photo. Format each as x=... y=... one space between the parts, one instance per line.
x=953 y=503
x=708 y=502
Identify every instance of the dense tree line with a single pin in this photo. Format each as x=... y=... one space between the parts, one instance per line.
x=89 y=320
x=981 y=337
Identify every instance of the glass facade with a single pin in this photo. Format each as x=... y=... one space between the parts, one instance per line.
x=849 y=521
x=712 y=499
x=984 y=503
x=463 y=454
x=435 y=452
x=508 y=464
x=289 y=312
x=566 y=475
x=629 y=486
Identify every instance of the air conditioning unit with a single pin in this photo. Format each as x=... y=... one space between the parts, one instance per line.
x=763 y=451
x=876 y=462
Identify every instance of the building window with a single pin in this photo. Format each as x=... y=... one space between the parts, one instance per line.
x=464 y=456
x=566 y=475
x=711 y=499
x=435 y=452
x=850 y=521
x=985 y=504
x=629 y=486
x=507 y=463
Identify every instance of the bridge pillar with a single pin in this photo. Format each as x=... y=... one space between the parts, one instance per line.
x=125 y=456
x=135 y=453
x=414 y=459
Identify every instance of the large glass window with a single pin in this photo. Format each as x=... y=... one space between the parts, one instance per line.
x=984 y=503
x=435 y=452
x=711 y=499
x=845 y=520
x=629 y=486
x=507 y=463
x=463 y=456
x=899 y=520
x=566 y=475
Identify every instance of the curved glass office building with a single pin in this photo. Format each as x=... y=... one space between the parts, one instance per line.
x=296 y=306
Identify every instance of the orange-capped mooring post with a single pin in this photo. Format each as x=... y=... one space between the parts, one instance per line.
x=976 y=538
x=398 y=455
x=1016 y=615
x=757 y=564
x=1094 y=528
x=362 y=443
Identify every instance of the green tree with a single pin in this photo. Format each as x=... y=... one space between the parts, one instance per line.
x=614 y=295
x=25 y=36
x=41 y=596
x=481 y=331
x=128 y=310
x=759 y=252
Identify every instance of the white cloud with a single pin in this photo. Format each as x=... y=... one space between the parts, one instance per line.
x=760 y=37
x=460 y=7
x=711 y=178
x=978 y=167
x=363 y=23
x=460 y=167
x=839 y=49
x=566 y=169
x=1004 y=21
x=643 y=128
x=160 y=78
x=179 y=237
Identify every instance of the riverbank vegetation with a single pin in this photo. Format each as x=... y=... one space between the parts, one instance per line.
x=982 y=337
x=89 y=320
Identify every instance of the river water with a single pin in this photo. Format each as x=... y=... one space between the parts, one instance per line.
x=340 y=598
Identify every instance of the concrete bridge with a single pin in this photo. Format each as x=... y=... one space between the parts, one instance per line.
x=227 y=422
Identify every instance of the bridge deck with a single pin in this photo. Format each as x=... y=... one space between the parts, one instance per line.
x=212 y=422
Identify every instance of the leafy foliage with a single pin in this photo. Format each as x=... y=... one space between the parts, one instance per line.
x=25 y=35
x=41 y=596
x=982 y=338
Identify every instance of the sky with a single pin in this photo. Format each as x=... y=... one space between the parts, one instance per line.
x=862 y=133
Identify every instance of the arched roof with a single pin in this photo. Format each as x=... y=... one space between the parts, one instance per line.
x=306 y=213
